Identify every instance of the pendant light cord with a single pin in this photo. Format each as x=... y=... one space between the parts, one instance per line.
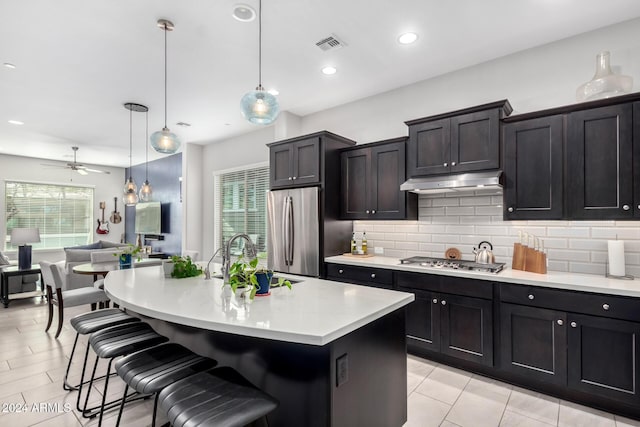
x=130 y=140
x=165 y=75
x=260 y=44
x=146 y=155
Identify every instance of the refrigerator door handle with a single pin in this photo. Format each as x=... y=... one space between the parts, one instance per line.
x=286 y=227
x=292 y=230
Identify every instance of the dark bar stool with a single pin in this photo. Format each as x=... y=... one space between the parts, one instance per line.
x=113 y=342
x=149 y=371
x=219 y=397
x=89 y=323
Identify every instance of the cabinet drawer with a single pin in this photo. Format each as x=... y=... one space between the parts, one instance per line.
x=446 y=284
x=615 y=307
x=360 y=275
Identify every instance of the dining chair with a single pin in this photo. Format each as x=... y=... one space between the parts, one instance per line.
x=56 y=295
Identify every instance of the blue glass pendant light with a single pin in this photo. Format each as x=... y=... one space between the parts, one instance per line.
x=259 y=106
x=164 y=141
x=130 y=196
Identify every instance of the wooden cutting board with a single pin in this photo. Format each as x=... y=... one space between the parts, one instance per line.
x=359 y=255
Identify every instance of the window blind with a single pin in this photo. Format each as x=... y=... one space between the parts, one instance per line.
x=241 y=206
x=63 y=213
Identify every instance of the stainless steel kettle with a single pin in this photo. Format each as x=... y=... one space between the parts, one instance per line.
x=484 y=255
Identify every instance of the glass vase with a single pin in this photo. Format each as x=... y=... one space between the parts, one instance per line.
x=604 y=83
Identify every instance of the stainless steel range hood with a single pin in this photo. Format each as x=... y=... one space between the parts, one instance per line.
x=450 y=183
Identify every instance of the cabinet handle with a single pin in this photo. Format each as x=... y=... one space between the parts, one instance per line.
x=294 y=178
x=560 y=322
x=574 y=324
x=453 y=163
x=443 y=302
x=625 y=207
x=373 y=275
x=510 y=209
x=340 y=271
x=373 y=211
x=531 y=296
x=435 y=300
x=445 y=164
x=605 y=306
x=290 y=178
x=367 y=211
x=638 y=206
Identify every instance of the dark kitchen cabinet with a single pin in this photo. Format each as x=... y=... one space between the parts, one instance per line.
x=376 y=277
x=306 y=160
x=459 y=326
x=457 y=142
x=584 y=351
x=533 y=167
x=636 y=159
x=296 y=163
x=371 y=179
x=600 y=163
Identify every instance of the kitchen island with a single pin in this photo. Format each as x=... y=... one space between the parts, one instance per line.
x=333 y=354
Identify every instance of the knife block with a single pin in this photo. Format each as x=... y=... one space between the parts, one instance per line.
x=528 y=259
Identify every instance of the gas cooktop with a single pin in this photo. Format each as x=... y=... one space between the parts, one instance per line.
x=453 y=264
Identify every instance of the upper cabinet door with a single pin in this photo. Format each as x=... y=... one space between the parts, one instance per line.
x=387 y=174
x=475 y=141
x=636 y=158
x=429 y=148
x=306 y=161
x=599 y=163
x=533 y=169
x=281 y=165
x=355 y=189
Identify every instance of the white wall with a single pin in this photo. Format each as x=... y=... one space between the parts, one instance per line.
x=192 y=184
x=534 y=79
x=106 y=188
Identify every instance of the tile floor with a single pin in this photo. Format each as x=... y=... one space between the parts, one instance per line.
x=32 y=365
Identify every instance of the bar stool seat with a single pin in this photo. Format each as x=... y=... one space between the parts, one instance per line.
x=88 y=323
x=113 y=342
x=149 y=371
x=219 y=397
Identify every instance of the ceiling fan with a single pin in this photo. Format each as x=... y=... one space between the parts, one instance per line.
x=78 y=167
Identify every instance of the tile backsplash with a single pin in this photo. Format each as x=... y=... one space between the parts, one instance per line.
x=462 y=220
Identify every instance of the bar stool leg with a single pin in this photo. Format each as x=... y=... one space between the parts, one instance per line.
x=65 y=384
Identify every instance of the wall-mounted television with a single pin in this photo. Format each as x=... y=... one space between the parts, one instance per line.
x=148 y=218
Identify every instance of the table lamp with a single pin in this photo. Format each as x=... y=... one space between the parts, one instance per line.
x=21 y=237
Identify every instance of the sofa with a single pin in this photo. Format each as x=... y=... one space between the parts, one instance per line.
x=77 y=255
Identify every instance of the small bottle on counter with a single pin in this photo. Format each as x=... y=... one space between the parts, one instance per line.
x=354 y=246
x=364 y=242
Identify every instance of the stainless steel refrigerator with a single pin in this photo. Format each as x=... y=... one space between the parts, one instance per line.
x=294 y=231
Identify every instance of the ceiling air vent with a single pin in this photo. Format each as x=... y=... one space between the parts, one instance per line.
x=330 y=43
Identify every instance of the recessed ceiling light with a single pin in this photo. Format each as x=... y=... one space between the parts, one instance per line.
x=274 y=92
x=244 y=13
x=329 y=70
x=9 y=65
x=407 y=38
x=16 y=122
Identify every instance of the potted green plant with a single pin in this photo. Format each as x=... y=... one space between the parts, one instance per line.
x=126 y=254
x=184 y=267
x=256 y=280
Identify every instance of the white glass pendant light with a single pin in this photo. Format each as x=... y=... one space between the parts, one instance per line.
x=145 y=191
x=164 y=141
x=130 y=196
x=259 y=106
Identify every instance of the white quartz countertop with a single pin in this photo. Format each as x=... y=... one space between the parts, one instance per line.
x=553 y=279
x=314 y=312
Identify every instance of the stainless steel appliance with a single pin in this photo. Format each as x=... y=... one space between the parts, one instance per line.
x=453 y=264
x=294 y=231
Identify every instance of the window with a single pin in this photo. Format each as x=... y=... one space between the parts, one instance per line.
x=241 y=206
x=63 y=213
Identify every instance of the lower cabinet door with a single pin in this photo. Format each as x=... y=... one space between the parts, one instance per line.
x=534 y=343
x=604 y=357
x=423 y=321
x=467 y=328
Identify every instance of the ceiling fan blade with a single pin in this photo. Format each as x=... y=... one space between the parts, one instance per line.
x=95 y=171
x=53 y=166
x=82 y=172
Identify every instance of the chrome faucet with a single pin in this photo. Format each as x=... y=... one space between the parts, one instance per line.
x=252 y=252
